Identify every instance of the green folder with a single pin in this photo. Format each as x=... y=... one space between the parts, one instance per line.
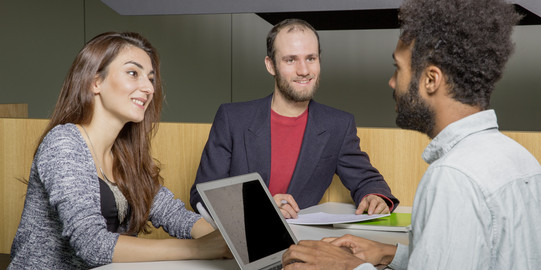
x=396 y=222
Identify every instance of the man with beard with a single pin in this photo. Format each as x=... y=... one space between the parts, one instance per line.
x=293 y=142
x=477 y=205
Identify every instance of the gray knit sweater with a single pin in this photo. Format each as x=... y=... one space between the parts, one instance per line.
x=62 y=226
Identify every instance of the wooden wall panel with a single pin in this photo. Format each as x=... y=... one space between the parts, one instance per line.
x=14 y=110
x=18 y=139
x=178 y=147
x=395 y=153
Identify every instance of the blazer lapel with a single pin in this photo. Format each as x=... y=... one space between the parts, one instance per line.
x=314 y=141
x=258 y=142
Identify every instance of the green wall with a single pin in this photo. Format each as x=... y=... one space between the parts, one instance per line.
x=212 y=59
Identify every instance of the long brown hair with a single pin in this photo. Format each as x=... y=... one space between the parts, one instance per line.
x=136 y=173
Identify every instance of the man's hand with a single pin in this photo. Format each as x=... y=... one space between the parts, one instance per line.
x=367 y=250
x=288 y=206
x=309 y=254
x=373 y=204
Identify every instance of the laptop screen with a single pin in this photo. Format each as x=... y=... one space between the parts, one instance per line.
x=250 y=220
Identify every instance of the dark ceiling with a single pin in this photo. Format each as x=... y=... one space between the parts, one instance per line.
x=322 y=14
x=363 y=19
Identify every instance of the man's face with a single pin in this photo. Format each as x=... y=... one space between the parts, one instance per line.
x=297 y=64
x=412 y=110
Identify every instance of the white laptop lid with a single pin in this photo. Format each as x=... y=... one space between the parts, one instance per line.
x=249 y=220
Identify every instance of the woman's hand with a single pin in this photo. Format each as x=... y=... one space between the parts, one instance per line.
x=213 y=246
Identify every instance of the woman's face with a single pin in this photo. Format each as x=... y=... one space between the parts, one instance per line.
x=128 y=87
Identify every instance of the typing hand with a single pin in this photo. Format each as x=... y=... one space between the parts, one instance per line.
x=288 y=206
x=370 y=251
x=309 y=254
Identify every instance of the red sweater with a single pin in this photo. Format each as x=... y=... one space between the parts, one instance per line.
x=286 y=140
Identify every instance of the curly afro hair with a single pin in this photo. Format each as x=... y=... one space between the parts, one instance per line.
x=469 y=40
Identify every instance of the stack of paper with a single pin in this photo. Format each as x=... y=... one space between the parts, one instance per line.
x=321 y=218
x=400 y=222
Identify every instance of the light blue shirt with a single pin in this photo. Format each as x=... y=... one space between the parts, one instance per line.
x=477 y=205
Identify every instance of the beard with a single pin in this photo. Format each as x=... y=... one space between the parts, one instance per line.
x=413 y=112
x=288 y=91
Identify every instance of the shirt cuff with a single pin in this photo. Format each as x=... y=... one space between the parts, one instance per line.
x=389 y=202
x=401 y=257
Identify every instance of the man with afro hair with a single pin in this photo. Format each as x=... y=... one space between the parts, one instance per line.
x=477 y=205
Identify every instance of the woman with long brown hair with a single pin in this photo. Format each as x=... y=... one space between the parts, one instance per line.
x=93 y=184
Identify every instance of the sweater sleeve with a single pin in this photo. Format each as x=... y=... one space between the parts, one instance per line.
x=67 y=172
x=172 y=215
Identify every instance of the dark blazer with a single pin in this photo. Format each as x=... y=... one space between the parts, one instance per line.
x=240 y=142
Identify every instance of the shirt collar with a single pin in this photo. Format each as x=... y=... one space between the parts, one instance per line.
x=457 y=131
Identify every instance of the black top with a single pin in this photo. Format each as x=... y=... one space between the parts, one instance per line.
x=108 y=207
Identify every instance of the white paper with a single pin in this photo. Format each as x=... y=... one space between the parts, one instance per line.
x=321 y=218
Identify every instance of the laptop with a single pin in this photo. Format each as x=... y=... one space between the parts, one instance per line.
x=249 y=220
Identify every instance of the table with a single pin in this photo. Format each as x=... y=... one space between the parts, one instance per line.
x=302 y=232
